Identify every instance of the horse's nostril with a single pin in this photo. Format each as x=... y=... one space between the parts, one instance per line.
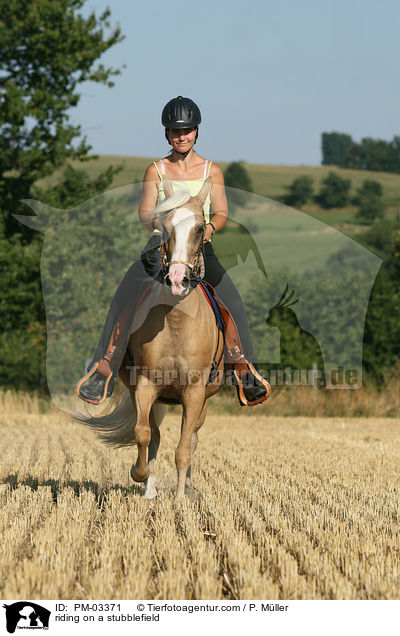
x=168 y=280
x=185 y=281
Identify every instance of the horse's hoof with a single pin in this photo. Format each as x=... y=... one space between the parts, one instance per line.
x=138 y=476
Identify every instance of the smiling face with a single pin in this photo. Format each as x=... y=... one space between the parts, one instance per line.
x=182 y=139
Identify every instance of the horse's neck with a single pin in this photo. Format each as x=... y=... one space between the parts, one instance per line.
x=159 y=296
x=188 y=305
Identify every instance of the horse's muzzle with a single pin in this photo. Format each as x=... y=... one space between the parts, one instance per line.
x=177 y=279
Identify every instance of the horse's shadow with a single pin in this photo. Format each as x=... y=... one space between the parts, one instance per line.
x=101 y=493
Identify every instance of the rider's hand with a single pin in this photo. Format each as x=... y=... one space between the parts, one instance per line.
x=208 y=232
x=155 y=223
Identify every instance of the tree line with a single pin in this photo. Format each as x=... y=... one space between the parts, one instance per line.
x=339 y=149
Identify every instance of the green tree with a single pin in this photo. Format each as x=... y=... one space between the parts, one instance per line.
x=370 y=201
x=86 y=251
x=335 y=148
x=368 y=188
x=23 y=332
x=381 y=239
x=382 y=328
x=237 y=178
x=334 y=192
x=48 y=50
x=300 y=191
x=375 y=154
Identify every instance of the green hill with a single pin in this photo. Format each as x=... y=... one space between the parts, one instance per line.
x=270 y=181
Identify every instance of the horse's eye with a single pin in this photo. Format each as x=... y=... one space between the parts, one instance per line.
x=200 y=229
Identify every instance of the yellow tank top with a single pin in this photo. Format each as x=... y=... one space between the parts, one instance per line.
x=193 y=185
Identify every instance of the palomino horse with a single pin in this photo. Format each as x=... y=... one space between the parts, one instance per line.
x=172 y=349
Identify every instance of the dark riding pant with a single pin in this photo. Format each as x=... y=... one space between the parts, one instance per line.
x=135 y=281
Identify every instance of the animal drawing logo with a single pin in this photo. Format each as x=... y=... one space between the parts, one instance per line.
x=26 y=615
x=299 y=349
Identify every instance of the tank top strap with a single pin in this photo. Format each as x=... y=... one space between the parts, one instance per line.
x=158 y=172
x=161 y=174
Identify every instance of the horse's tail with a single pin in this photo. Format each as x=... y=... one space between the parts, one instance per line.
x=117 y=428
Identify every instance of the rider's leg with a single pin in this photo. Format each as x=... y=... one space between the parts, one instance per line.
x=116 y=331
x=226 y=290
x=255 y=388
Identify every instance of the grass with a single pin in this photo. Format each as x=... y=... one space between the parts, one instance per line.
x=286 y=508
x=268 y=181
x=278 y=229
x=287 y=401
x=312 y=240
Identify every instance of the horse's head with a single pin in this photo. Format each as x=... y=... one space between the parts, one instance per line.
x=182 y=224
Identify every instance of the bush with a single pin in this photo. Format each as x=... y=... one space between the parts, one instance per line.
x=334 y=192
x=381 y=238
x=370 y=210
x=369 y=200
x=237 y=177
x=368 y=188
x=300 y=191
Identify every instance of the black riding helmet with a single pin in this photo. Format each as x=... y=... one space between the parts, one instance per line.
x=180 y=112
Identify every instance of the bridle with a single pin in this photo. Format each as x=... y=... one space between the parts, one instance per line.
x=195 y=266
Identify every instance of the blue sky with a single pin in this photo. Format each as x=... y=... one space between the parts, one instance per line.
x=268 y=76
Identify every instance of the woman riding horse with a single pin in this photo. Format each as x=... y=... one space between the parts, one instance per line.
x=184 y=168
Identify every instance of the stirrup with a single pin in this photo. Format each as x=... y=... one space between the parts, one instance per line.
x=240 y=389
x=86 y=377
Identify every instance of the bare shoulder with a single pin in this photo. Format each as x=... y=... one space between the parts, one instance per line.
x=216 y=174
x=151 y=173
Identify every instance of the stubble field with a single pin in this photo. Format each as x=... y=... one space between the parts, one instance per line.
x=286 y=508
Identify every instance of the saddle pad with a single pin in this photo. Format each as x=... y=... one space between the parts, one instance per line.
x=213 y=305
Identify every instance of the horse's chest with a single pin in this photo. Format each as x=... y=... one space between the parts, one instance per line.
x=175 y=324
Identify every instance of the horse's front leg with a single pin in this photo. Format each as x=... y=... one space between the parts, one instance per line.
x=193 y=405
x=156 y=416
x=144 y=397
x=193 y=446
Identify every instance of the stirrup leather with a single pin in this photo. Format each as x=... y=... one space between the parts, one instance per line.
x=234 y=354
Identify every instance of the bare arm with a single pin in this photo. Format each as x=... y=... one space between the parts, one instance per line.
x=149 y=197
x=219 y=204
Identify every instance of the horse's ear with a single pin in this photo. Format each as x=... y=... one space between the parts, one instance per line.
x=205 y=191
x=167 y=187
